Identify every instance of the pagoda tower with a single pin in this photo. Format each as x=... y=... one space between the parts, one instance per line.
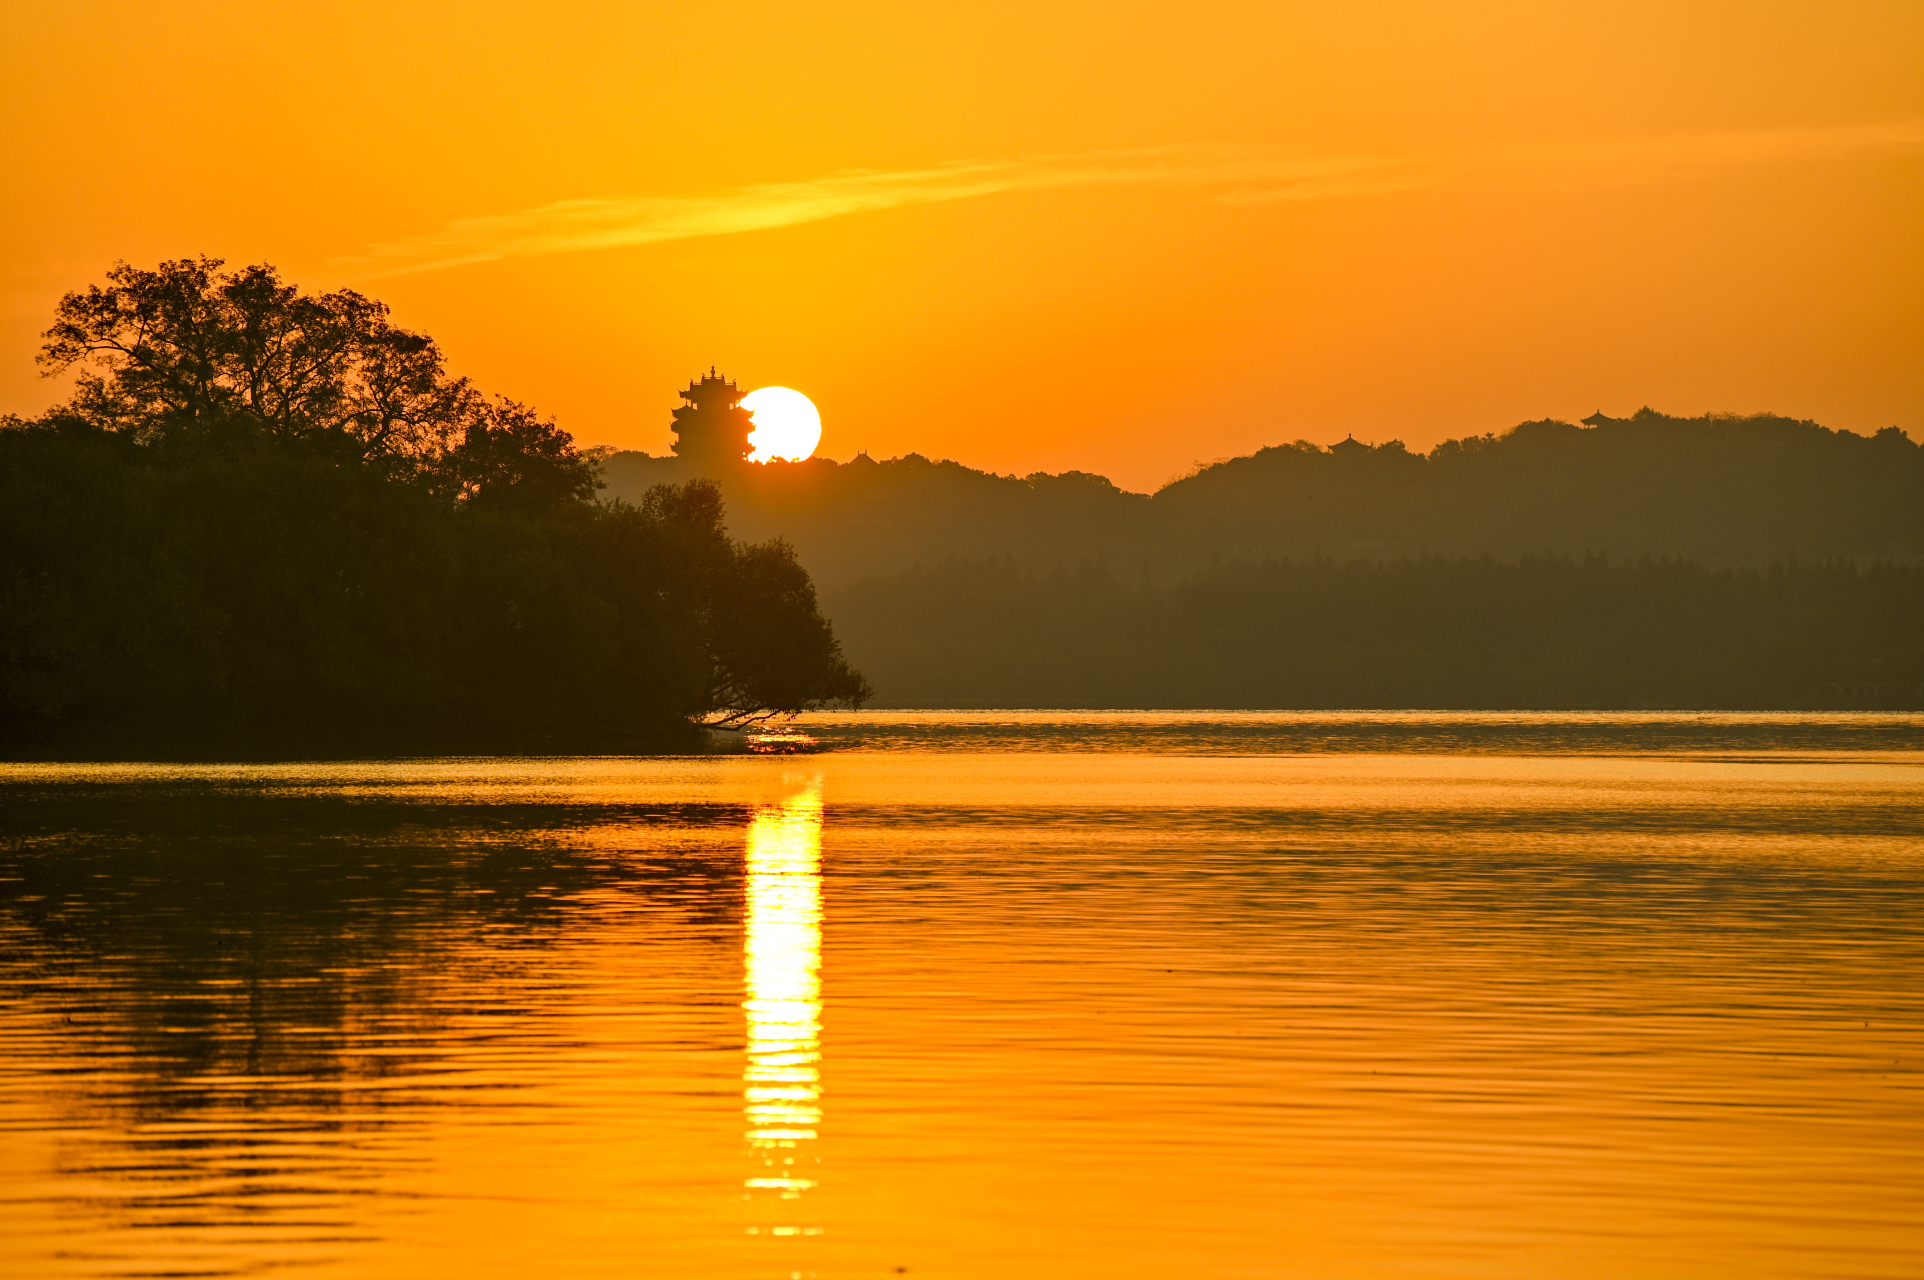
x=712 y=427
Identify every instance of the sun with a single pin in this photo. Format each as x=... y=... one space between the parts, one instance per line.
x=786 y=424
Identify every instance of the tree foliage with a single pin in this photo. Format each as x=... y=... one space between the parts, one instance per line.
x=266 y=517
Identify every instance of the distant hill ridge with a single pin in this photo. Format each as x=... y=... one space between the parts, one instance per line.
x=1720 y=489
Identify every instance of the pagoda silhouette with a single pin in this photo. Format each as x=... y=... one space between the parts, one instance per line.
x=712 y=428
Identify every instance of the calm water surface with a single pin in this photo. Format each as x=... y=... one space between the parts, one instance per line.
x=982 y=995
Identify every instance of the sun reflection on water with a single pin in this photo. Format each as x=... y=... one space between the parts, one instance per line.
x=781 y=1091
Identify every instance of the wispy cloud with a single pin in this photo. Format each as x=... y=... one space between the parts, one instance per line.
x=1238 y=176
x=572 y=225
x=1614 y=161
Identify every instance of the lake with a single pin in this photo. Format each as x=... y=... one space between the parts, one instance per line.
x=982 y=994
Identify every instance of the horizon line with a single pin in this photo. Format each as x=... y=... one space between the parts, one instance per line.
x=1200 y=465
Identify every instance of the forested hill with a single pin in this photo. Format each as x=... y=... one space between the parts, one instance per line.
x=1721 y=490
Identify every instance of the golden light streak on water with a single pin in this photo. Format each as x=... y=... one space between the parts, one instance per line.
x=782 y=950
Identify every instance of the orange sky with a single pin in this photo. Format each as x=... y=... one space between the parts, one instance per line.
x=1118 y=237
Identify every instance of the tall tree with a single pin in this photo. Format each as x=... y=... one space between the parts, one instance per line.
x=187 y=348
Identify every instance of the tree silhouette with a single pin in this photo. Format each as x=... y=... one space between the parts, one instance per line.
x=272 y=521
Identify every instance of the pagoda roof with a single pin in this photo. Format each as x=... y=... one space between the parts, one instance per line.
x=712 y=386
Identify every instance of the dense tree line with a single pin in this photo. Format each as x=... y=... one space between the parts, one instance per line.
x=1542 y=632
x=1719 y=489
x=268 y=518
